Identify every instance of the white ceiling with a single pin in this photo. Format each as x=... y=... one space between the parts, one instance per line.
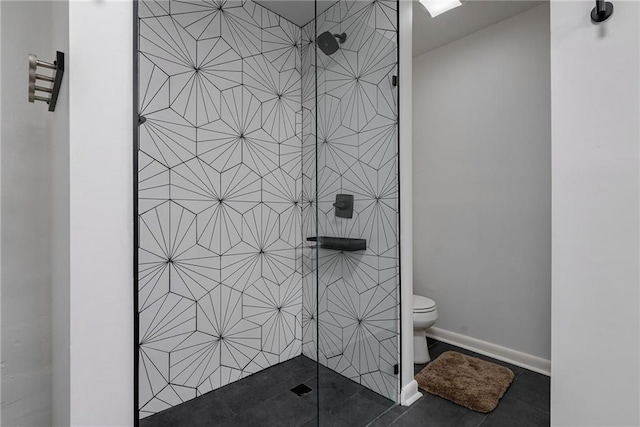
x=430 y=33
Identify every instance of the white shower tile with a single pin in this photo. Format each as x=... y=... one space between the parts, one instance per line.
x=238 y=25
x=228 y=166
x=196 y=360
x=382 y=383
x=388 y=96
x=153 y=182
x=240 y=345
x=194 y=272
x=378 y=141
x=281 y=45
x=153 y=278
x=263 y=360
x=167 y=322
x=360 y=270
x=262 y=16
x=168 y=138
x=241 y=266
x=229 y=375
x=148 y=8
x=260 y=302
x=167 y=44
x=195 y=185
x=329 y=184
x=200 y=19
x=277 y=265
x=153 y=87
x=153 y=375
x=220 y=65
x=279 y=190
x=291 y=153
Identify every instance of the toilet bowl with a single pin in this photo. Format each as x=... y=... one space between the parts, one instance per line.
x=425 y=315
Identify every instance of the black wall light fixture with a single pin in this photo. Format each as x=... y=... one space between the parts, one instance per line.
x=602 y=11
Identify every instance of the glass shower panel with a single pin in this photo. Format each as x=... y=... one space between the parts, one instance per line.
x=249 y=127
x=355 y=153
x=219 y=290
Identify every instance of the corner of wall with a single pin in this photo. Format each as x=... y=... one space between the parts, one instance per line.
x=101 y=207
x=406 y=199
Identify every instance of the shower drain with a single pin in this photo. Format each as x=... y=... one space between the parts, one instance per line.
x=301 y=389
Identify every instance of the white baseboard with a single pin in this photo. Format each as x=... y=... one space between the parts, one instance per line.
x=409 y=393
x=524 y=360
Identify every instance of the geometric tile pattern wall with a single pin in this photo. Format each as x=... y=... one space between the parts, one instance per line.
x=227 y=191
x=350 y=307
x=220 y=184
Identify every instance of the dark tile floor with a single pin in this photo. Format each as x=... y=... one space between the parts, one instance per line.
x=525 y=404
x=265 y=399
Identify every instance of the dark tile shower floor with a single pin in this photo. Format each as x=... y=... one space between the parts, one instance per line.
x=265 y=399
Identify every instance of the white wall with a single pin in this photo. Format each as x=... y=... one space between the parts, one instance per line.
x=595 y=74
x=101 y=206
x=70 y=195
x=409 y=387
x=0 y=213
x=26 y=139
x=482 y=180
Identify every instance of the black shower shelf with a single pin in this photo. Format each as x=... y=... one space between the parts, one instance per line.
x=340 y=243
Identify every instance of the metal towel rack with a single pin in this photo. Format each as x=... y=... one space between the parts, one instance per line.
x=51 y=89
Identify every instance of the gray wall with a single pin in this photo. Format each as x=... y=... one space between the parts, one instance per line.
x=35 y=223
x=26 y=230
x=60 y=229
x=482 y=183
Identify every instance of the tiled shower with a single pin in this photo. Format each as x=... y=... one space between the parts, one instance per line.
x=247 y=133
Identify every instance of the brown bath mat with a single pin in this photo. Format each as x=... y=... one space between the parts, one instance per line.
x=465 y=380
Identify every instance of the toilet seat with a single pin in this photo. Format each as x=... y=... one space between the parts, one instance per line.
x=423 y=304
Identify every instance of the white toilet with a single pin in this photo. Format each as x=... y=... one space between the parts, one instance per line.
x=425 y=315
